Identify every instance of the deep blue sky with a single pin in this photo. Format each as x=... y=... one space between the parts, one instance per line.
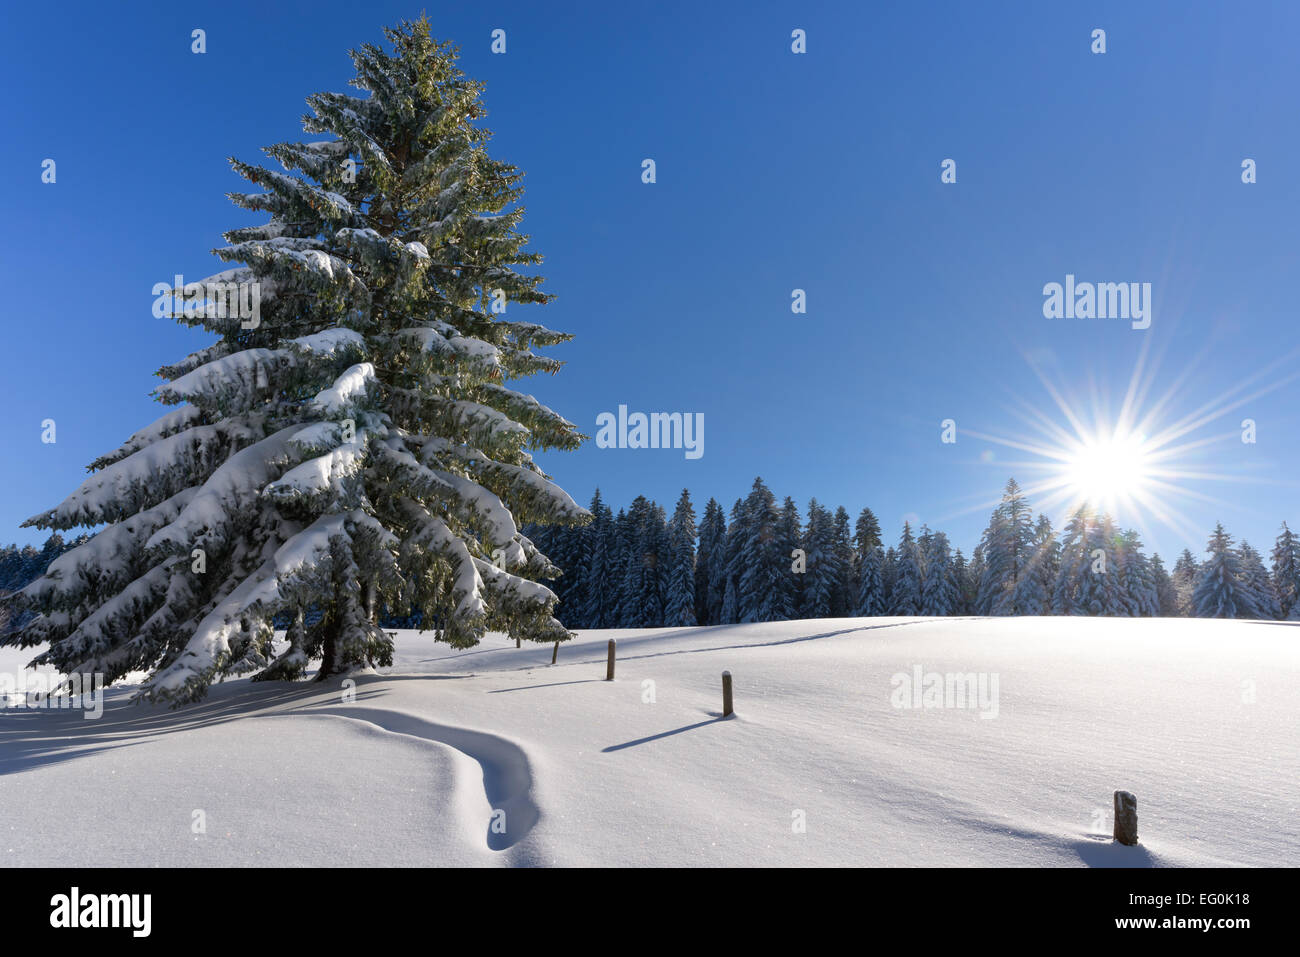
x=775 y=171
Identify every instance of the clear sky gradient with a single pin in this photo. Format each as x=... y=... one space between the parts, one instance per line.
x=775 y=171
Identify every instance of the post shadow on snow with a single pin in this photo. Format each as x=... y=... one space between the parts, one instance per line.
x=1107 y=852
x=714 y=719
x=553 y=684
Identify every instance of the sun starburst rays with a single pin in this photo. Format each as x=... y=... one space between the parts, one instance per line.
x=1138 y=462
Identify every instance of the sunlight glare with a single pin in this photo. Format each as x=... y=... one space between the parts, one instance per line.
x=1108 y=471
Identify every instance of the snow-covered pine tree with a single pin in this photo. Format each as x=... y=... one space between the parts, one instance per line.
x=823 y=572
x=1256 y=580
x=1140 y=598
x=600 y=567
x=357 y=443
x=906 y=596
x=1074 y=577
x=938 y=590
x=764 y=579
x=788 y=535
x=844 y=593
x=889 y=576
x=974 y=575
x=871 y=587
x=566 y=550
x=1166 y=595
x=1220 y=592
x=1185 y=576
x=923 y=540
x=620 y=549
x=1035 y=589
x=960 y=579
x=679 y=600
x=866 y=532
x=737 y=532
x=866 y=536
x=642 y=587
x=1286 y=573
x=710 y=565
x=1105 y=588
x=1008 y=544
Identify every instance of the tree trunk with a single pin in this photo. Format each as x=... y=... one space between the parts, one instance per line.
x=329 y=663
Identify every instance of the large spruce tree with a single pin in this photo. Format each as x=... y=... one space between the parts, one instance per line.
x=357 y=443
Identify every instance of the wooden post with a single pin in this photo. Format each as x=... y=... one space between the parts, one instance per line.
x=1126 y=817
x=726 y=694
x=555 y=651
x=609 y=667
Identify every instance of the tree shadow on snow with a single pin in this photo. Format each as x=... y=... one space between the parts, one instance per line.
x=767 y=644
x=32 y=737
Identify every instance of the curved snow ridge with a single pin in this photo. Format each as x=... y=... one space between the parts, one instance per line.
x=507 y=771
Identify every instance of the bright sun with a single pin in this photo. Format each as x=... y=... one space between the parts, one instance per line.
x=1107 y=471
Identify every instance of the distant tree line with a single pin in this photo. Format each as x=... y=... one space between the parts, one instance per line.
x=765 y=561
x=19 y=567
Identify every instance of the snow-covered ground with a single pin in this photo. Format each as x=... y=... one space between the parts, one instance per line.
x=1200 y=719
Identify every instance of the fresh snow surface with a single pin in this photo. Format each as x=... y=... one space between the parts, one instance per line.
x=1199 y=719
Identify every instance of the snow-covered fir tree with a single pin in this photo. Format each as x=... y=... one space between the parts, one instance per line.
x=866 y=532
x=1286 y=574
x=600 y=608
x=1034 y=590
x=889 y=576
x=905 y=598
x=618 y=553
x=642 y=591
x=974 y=575
x=764 y=581
x=1139 y=598
x=871 y=587
x=1220 y=591
x=1258 y=583
x=961 y=582
x=939 y=594
x=710 y=565
x=1008 y=545
x=866 y=538
x=1087 y=582
x=1166 y=594
x=679 y=601
x=823 y=574
x=1108 y=580
x=737 y=532
x=358 y=444
x=1186 y=574
x=19 y=567
x=844 y=591
x=789 y=535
